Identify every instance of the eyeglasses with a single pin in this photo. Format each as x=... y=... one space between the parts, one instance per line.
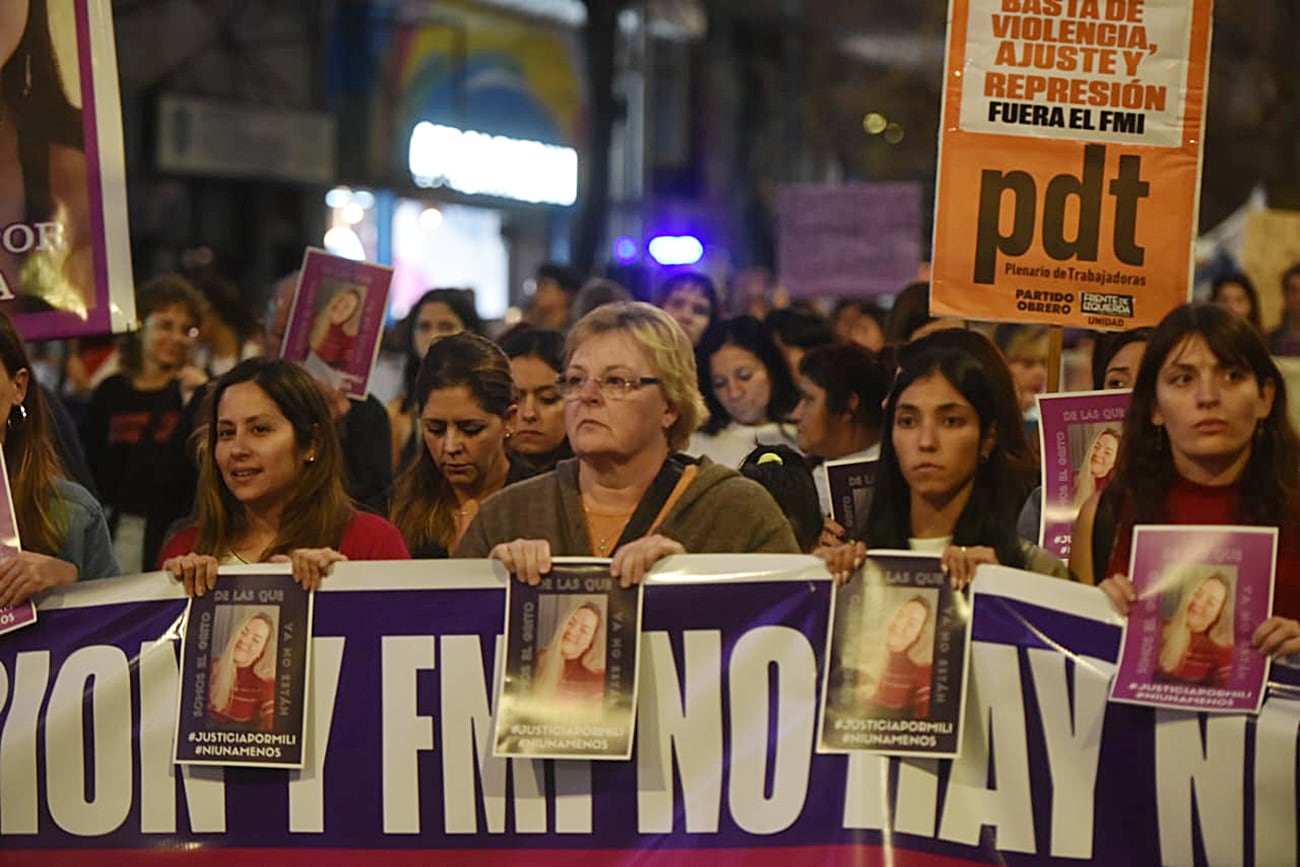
x=614 y=386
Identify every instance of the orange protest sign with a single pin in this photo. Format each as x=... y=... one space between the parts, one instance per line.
x=1070 y=160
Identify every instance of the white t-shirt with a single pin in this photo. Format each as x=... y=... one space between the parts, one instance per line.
x=731 y=445
x=936 y=545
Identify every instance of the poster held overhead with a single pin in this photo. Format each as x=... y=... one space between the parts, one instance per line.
x=336 y=320
x=65 y=258
x=1069 y=161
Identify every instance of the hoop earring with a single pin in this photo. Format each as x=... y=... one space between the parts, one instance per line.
x=22 y=417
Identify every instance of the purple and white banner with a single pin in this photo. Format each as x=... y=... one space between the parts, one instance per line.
x=399 y=767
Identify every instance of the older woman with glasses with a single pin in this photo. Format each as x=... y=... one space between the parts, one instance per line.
x=631 y=400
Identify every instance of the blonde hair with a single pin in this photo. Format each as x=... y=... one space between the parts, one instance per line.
x=550 y=668
x=1085 y=484
x=224 y=672
x=670 y=351
x=1176 y=636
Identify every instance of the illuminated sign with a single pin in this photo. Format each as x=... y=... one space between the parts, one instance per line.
x=479 y=164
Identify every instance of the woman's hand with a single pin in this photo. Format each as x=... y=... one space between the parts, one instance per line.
x=526 y=559
x=832 y=533
x=198 y=572
x=1277 y=636
x=959 y=562
x=842 y=558
x=310 y=565
x=1120 y=591
x=28 y=573
x=636 y=558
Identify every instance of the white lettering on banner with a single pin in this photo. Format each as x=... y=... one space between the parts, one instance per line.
x=995 y=730
x=466 y=728
x=205 y=788
x=866 y=791
x=796 y=718
x=1073 y=735
x=1275 y=797
x=405 y=732
x=307 y=786
x=1214 y=770
x=18 y=808
x=918 y=796
x=682 y=723
x=101 y=673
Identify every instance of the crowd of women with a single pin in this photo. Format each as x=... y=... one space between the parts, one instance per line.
x=642 y=432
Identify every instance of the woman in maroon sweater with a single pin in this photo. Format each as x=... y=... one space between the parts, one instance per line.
x=242 y=678
x=1206 y=441
x=271 y=484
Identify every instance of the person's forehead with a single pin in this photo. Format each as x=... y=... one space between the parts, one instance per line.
x=610 y=349
x=246 y=398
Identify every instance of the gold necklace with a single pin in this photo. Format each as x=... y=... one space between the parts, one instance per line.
x=603 y=542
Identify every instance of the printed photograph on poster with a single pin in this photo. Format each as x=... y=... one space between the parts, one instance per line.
x=1202 y=593
x=244 y=664
x=850 y=484
x=336 y=320
x=569 y=684
x=65 y=262
x=24 y=614
x=896 y=660
x=1078 y=437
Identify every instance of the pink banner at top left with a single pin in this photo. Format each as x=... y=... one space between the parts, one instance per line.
x=65 y=262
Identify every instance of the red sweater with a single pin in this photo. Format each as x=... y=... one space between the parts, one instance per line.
x=1190 y=503
x=1204 y=662
x=252 y=700
x=367 y=537
x=904 y=687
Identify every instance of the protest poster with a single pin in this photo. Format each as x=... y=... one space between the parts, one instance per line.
x=848 y=240
x=569 y=671
x=23 y=614
x=1070 y=158
x=850 y=483
x=65 y=259
x=336 y=320
x=245 y=660
x=895 y=660
x=1078 y=437
x=1202 y=593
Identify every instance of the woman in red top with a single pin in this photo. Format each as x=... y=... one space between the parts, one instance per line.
x=902 y=686
x=242 y=682
x=1196 y=643
x=1206 y=441
x=271 y=484
x=572 y=667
